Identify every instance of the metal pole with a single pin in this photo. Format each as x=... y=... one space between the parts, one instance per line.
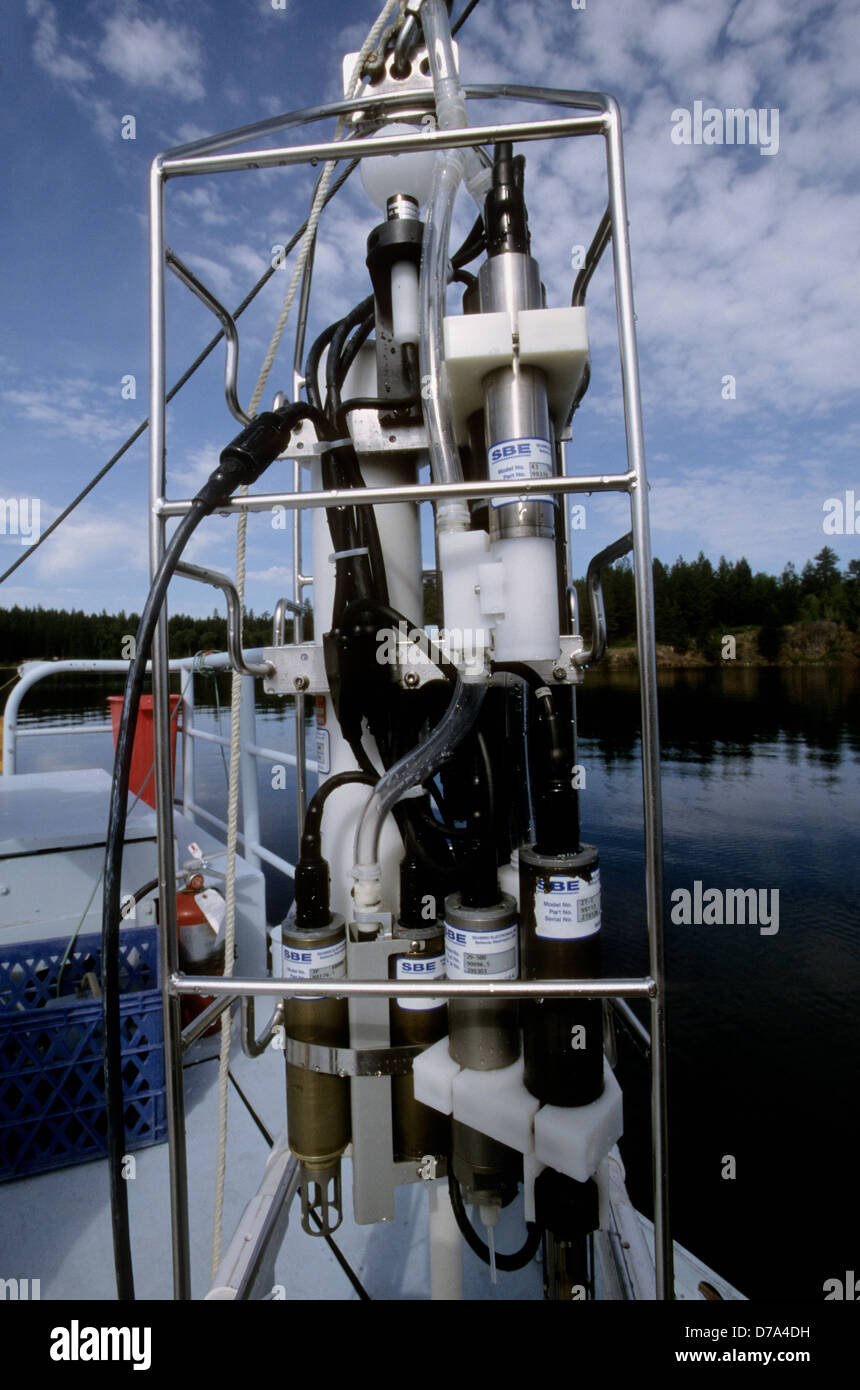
x=188 y=744
x=447 y=989
x=168 y=940
x=177 y=166
x=653 y=809
x=410 y=492
x=298 y=636
x=250 y=794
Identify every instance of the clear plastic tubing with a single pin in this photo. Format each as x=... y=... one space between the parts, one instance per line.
x=450 y=112
x=412 y=769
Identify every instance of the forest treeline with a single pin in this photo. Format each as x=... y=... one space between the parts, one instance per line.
x=29 y=634
x=696 y=603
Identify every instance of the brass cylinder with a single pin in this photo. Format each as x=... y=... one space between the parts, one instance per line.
x=318 y=1114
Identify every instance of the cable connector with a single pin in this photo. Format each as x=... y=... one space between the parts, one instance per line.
x=247 y=456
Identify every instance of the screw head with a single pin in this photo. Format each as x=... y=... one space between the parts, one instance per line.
x=301 y=683
x=410 y=680
x=559 y=673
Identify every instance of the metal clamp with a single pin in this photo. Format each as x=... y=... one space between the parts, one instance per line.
x=347 y=1061
x=296 y=669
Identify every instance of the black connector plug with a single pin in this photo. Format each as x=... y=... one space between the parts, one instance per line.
x=247 y=456
x=505 y=212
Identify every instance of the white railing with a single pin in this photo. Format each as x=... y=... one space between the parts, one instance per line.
x=254 y=851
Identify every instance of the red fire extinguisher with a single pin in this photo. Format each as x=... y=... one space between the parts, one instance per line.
x=200 y=927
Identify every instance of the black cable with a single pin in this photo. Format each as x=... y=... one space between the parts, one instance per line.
x=114 y=1097
x=474 y=244
x=356 y=342
x=518 y=1260
x=384 y=610
x=241 y=462
x=380 y=403
x=312 y=363
x=338 y=341
x=175 y=388
x=313 y=815
x=461 y=19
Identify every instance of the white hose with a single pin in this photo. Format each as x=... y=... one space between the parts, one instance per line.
x=236 y=685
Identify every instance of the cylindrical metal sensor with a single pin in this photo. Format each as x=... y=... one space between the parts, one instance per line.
x=418 y=1130
x=318 y=1116
x=560 y=940
x=481 y=944
x=516 y=414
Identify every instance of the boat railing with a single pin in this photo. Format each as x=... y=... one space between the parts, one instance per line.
x=250 y=750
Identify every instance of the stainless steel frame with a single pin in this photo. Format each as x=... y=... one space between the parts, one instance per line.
x=207 y=157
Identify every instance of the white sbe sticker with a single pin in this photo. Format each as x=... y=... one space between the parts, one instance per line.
x=567 y=908
x=314 y=962
x=481 y=955
x=512 y=460
x=420 y=968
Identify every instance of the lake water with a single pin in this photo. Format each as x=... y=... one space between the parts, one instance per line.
x=760 y=786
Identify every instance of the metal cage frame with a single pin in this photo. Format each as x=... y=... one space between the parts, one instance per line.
x=216 y=155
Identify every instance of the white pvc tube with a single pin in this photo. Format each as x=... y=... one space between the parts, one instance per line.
x=446 y=1245
x=404 y=302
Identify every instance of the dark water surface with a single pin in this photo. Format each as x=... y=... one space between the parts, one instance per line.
x=760 y=788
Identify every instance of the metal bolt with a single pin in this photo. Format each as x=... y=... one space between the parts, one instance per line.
x=411 y=679
x=301 y=683
x=559 y=673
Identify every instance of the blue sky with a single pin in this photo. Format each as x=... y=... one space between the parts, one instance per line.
x=745 y=263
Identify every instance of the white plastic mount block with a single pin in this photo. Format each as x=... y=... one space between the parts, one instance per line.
x=556 y=340
x=575 y=1140
x=498 y=1104
x=433 y=1073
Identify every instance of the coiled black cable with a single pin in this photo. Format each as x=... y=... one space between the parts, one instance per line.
x=518 y=1260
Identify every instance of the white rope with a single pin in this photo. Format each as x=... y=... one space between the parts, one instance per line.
x=236 y=684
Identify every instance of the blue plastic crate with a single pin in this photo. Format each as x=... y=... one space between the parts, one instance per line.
x=52 y=1106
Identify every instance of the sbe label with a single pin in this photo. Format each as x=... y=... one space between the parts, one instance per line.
x=515 y=459
x=567 y=908
x=416 y=968
x=315 y=962
x=481 y=955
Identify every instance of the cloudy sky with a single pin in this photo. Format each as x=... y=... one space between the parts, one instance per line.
x=744 y=256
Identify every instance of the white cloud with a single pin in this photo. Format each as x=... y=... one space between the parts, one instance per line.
x=153 y=53
x=74 y=406
x=196 y=466
x=93 y=539
x=202 y=203
x=53 y=54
